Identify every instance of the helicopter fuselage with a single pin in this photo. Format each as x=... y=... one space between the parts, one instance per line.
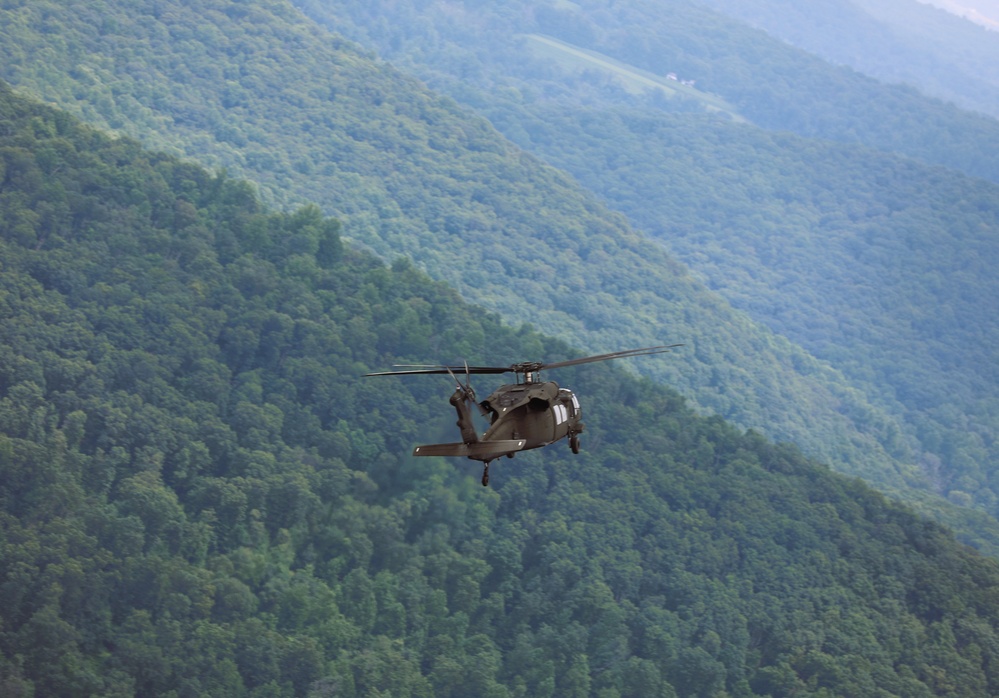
x=522 y=416
x=539 y=413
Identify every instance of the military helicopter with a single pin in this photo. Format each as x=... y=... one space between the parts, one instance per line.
x=530 y=413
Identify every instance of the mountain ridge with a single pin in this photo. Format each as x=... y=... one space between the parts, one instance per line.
x=369 y=172
x=763 y=219
x=201 y=494
x=411 y=175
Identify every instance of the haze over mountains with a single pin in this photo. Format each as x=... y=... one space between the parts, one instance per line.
x=897 y=41
x=988 y=9
x=984 y=12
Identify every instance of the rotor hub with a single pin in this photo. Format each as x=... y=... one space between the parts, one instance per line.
x=529 y=369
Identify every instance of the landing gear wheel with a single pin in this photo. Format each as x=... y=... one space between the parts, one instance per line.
x=574 y=443
x=485 y=476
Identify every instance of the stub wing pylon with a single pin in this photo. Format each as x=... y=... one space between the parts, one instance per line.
x=482 y=450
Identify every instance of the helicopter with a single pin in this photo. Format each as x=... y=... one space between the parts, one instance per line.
x=529 y=413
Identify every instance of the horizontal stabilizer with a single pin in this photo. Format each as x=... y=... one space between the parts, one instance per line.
x=483 y=450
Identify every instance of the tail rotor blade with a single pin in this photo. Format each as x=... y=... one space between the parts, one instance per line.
x=465 y=389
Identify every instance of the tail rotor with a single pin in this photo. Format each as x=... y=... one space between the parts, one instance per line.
x=467 y=393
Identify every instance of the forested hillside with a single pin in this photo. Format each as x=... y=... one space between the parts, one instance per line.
x=199 y=494
x=872 y=262
x=262 y=90
x=879 y=265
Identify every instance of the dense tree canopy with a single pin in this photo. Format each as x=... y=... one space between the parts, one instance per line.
x=870 y=261
x=260 y=89
x=887 y=274
x=200 y=495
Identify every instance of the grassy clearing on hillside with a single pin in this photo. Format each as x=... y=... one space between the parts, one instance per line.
x=633 y=80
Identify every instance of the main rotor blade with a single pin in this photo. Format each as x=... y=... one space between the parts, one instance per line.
x=647 y=351
x=446 y=370
x=526 y=367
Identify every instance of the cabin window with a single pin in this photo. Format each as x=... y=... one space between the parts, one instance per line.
x=561 y=414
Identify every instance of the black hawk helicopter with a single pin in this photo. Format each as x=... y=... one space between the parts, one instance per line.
x=530 y=413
